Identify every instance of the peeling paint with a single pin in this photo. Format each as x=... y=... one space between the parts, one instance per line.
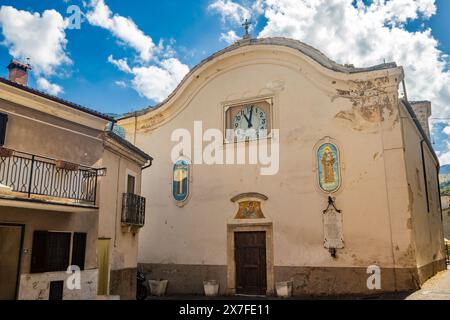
x=411 y=199
x=371 y=105
x=409 y=224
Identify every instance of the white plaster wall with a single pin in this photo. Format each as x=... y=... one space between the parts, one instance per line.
x=112 y=186
x=425 y=225
x=374 y=201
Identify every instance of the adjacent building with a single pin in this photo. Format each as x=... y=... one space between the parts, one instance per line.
x=69 y=196
x=446 y=216
x=355 y=187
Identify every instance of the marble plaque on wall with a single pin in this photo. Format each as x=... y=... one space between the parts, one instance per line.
x=332 y=225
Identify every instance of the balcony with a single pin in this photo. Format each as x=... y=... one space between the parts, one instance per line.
x=133 y=210
x=30 y=177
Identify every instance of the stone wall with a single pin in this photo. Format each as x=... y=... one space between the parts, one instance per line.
x=37 y=286
x=186 y=279
x=307 y=281
x=123 y=283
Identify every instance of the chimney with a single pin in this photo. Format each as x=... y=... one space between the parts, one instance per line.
x=422 y=109
x=18 y=72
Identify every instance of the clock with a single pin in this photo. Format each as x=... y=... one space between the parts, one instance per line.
x=249 y=121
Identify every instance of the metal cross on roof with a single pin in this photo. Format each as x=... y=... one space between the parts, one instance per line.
x=246 y=26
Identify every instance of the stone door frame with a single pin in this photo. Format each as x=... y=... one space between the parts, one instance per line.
x=247 y=225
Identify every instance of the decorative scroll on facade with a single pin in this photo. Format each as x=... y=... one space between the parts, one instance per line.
x=180 y=189
x=333 y=226
x=328 y=167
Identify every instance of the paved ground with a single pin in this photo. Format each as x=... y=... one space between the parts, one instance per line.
x=383 y=296
x=437 y=288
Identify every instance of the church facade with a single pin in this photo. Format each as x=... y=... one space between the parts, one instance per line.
x=273 y=163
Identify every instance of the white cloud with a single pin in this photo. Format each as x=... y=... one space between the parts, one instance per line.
x=157 y=73
x=444 y=159
x=444 y=156
x=157 y=82
x=48 y=87
x=230 y=37
x=366 y=35
x=351 y=31
x=121 y=64
x=447 y=130
x=122 y=28
x=121 y=84
x=38 y=37
x=230 y=11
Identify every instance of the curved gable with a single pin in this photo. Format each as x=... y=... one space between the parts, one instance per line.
x=206 y=70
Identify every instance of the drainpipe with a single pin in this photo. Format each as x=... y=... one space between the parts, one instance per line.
x=147 y=166
x=425 y=174
x=404 y=90
x=112 y=125
x=438 y=169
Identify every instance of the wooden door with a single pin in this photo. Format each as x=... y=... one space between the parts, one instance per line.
x=10 y=253
x=250 y=256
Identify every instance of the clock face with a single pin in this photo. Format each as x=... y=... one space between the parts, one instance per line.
x=248 y=118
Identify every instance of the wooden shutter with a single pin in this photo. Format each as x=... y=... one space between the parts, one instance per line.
x=131 y=184
x=3 y=121
x=51 y=251
x=39 y=252
x=58 y=251
x=79 y=250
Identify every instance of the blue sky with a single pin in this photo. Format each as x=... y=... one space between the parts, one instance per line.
x=91 y=79
x=91 y=82
x=193 y=30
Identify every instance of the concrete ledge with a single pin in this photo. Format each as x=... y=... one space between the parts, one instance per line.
x=428 y=271
x=108 y=298
x=186 y=279
x=331 y=281
x=36 y=286
x=308 y=281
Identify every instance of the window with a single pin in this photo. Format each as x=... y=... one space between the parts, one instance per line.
x=3 y=121
x=52 y=251
x=131 y=184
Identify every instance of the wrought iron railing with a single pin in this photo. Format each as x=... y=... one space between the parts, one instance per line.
x=133 y=210
x=34 y=175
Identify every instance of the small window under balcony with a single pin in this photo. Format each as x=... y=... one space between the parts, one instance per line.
x=3 y=121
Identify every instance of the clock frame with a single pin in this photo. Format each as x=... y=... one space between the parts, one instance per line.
x=233 y=110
